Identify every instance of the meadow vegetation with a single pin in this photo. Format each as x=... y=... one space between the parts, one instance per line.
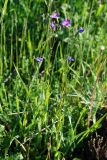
x=53 y=79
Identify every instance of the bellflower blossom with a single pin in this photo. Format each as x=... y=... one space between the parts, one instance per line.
x=54 y=15
x=70 y=59
x=52 y=25
x=39 y=59
x=66 y=23
x=81 y=30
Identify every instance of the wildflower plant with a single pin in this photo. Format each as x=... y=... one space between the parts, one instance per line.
x=55 y=20
x=52 y=80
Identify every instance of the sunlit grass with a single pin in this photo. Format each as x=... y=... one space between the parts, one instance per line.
x=48 y=107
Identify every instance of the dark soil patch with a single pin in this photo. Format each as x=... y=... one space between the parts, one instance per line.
x=95 y=146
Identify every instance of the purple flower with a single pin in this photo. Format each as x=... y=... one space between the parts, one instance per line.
x=70 y=59
x=39 y=59
x=54 y=15
x=52 y=25
x=66 y=23
x=81 y=30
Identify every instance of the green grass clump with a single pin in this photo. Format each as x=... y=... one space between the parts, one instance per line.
x=46 y=108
